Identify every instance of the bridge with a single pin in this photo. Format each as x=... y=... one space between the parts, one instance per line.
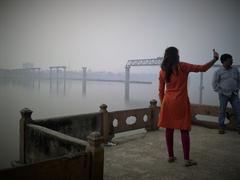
x=58 y=68
x=33 y=70
x=144 y=62
x=138 y=62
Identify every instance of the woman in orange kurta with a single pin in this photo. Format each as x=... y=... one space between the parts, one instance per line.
x=175 y=106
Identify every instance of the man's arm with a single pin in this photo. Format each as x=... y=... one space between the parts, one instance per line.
x=215 y=81
x=238 y=79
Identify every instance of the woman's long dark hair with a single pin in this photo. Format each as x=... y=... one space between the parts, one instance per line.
x=170 y=62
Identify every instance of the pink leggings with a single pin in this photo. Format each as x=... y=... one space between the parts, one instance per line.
x=185 y=142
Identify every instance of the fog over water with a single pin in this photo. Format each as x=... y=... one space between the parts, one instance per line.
x=55 y=101
x=102 y=36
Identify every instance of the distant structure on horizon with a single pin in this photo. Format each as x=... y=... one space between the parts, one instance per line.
x=138 y=62
x=27 y=65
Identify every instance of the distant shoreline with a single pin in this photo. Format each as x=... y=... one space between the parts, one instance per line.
x=108 y=80
x=80 y=79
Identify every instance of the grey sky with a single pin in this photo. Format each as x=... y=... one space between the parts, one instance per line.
x=104 y=34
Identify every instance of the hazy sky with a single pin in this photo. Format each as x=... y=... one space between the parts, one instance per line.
x=104 y=34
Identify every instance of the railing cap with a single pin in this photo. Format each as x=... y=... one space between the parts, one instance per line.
x=103 y=107
x=153 y=102
x=26 y=113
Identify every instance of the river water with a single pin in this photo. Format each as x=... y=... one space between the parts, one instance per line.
x=58 y=99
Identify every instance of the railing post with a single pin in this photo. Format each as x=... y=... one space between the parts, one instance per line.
x=105 y=124
x=84 y=81
x=25 y=119
x=96 y=149
x=154 y=114
x=127 y=79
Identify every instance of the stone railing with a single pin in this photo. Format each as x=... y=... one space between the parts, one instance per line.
x=43 y=143
x=125 y=120
x=46 y=144
x=68 y=137
x=70 y=132
x=212 y=111
x=79 y=126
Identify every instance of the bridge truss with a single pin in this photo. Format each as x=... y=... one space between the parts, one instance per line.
x=138 y=62
x=144 y=62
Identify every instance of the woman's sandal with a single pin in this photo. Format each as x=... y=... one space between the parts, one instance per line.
x=190 y=162
x=172 y=159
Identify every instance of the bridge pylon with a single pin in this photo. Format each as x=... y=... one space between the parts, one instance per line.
x=138 y=62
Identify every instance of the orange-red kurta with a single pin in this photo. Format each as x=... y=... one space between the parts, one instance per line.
x=175 y=106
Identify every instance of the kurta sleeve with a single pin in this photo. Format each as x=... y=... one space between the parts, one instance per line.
x=197 y=68
x=161 y=85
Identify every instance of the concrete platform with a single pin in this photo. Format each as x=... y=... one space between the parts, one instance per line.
x=144 y=157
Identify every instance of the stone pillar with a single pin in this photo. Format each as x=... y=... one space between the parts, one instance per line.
x=84 y=81
x=39 y=73
x=127 y=79
x=105 y=124
x=50 y=78
x=57 y=69
x=64 y=72
x=64 y=80
x=154 y=114
x=50 y=73
x=38 y=78
x=25 y=119
x=97 y=152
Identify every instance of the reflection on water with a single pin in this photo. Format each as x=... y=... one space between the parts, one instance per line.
x=57 y=86
x=59 y=97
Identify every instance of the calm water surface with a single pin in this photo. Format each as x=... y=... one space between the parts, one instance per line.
x=55 y=99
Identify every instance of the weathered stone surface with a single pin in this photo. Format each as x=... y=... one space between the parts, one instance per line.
x=43 y=143
x=79 y=126
x=144 y=156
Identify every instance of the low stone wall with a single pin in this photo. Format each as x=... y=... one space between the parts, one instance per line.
x=39 y=144
x=79 y=126
x=126 y=120
x=109 y=123
x=60 y=168
x=130 y=119
x=117 y=121
x=197 y=109
x=44 y=139
x=43 y=143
